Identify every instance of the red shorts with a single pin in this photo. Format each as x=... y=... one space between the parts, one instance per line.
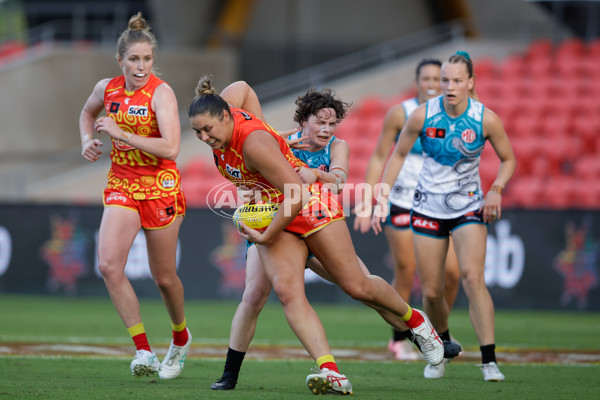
x=321 y=210
x=155 y=213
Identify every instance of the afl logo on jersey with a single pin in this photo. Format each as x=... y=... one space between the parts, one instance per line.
x=139 y=111
x=468 y=135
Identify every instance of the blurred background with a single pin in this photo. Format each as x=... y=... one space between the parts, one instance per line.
x=537 y=64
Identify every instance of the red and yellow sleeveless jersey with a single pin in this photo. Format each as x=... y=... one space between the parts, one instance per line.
x=136 y=173
x=230 y=161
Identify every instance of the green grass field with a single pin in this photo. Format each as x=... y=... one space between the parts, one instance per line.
x=93 y=321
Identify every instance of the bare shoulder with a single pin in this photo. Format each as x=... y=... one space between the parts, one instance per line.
x=339 y=148
x=339 y=143
x=237 y=85
x=164 y=89
x=395 y=114
x=396 y=109
x=259 y=148
x=96 y=99
x=492 y=124
x=101 y=85
x=490 y=117
x=164 y=96
x=258 y=140
x=419 y=113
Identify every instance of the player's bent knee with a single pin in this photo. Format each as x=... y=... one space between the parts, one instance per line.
x=255 y=299
x=167 y=281
x=357 y=291
x=285 y=294
x=452 y=280
x=473 y=281
x=433 y=298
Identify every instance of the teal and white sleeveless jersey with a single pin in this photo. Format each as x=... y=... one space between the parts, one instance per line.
x=318 y=159
x=314 y=159
x=403 y=191
x=449 y=184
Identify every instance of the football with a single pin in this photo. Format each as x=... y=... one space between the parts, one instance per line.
x=255 y=216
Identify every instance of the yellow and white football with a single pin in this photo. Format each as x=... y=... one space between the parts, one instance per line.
x=255 y=216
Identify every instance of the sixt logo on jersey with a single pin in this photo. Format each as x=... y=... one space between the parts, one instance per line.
x=435 y=133
x=234 y=172
x=139 y=111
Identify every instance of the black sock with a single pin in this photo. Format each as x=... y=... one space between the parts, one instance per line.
x=445 y=336
x=399 y=336
x=233 y=363
x=488 y=353
x=414 y=340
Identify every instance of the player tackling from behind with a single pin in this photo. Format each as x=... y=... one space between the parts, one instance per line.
x=249 y=152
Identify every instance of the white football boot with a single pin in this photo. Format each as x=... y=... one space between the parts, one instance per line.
x=491 y=373
x=429 y=341
x=326 y=381
x=172 y=364
x=436 y=371
x=145 y=363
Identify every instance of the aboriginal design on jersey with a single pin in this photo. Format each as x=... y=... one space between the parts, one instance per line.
x=409 y=106
x=230 y=161
x=403 y=191
x=449 y=184
x=136 y=173
x=320 y=159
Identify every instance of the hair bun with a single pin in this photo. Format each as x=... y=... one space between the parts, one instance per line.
x=464 y=54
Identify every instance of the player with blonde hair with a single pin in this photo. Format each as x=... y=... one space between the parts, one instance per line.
x=143 y=191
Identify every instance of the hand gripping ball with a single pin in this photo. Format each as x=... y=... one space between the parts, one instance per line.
x=255 y=216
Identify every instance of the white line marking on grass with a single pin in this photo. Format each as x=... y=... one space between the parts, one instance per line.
x=200 y=341
x=69 y=348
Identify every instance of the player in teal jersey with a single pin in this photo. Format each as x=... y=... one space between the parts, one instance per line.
x=449 y=198
x=397 y=226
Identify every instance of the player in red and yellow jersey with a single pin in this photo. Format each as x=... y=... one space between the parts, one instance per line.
x=230 y=163
x=248 y=152
x=143 y=191
x=140 y=174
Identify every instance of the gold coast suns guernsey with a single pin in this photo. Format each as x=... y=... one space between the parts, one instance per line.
x=230 y=161
x=140 y=175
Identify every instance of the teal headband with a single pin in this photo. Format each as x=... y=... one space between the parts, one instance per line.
x=464 y=54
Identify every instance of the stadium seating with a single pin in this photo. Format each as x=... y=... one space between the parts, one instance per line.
x=588 y=192
x=12 y=50
x=539 y=49
x=525 y=192
x=548 y=99
x=198 y=177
